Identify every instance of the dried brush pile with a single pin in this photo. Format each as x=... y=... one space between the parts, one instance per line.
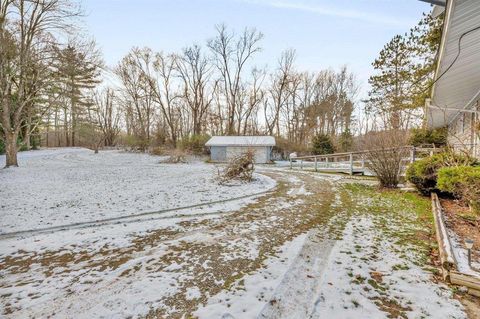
x=240 y=168
x=177 y=157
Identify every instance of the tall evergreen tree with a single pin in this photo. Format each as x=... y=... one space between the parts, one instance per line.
x=405 y=69
x=78 y=69
x=389 y=95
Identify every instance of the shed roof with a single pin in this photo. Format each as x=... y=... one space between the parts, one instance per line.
x=459 y=85
x=241 y=141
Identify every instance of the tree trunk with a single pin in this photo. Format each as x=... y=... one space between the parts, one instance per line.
x=27 y=138
x=11 y=148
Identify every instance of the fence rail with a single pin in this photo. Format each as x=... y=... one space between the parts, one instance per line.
x=355 y=162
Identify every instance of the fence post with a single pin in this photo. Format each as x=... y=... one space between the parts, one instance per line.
x=291 y=163
x=326 y=161
x=301 y=164
x=351 y=164
x=316 y=164
x=412 y=155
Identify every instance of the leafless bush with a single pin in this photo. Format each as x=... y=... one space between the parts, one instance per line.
x=240 y=167
x=176 y=157
x=385 y=155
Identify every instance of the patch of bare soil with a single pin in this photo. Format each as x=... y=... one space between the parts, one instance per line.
x=471 y=304
x=464 y=223
x=392 y=308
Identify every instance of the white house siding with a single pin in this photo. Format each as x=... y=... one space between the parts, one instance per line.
x=463 y=135
x=457 y=85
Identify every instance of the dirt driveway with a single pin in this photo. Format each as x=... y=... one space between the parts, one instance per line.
x=311 y=247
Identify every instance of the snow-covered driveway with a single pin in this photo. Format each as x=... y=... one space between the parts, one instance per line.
x=309 y=248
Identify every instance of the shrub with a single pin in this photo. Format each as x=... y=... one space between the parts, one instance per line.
x=423 y=136
x=157 y=151
x=240 y=167
x=423 y=173
x=385 y=155
x=2 y=147
x=463 y=182
x=176 y=157
x=135 y=143
x=283 y=147
x=322 y=144
x=195 y=143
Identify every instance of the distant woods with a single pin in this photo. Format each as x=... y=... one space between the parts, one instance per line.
x=217 y=90
x=51 y=89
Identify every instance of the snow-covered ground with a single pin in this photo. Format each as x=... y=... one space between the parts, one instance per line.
x=302 y=250
x=359 y=276
x=56 y=187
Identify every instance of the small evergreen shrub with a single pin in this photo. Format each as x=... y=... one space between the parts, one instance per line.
x=322 y=144
x=423 y=136
x=423 y=173
x=463 y=182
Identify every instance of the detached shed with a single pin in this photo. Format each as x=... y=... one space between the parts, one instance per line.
x=223 y=148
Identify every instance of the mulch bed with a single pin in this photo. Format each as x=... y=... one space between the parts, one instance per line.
x=464 y=223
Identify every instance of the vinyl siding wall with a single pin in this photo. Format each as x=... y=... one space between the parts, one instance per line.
x=462 y=133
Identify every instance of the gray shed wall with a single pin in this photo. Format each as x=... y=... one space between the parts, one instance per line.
x=224 y=153
x=218 y=153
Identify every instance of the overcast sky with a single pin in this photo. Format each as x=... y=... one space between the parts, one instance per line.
x=325 y=33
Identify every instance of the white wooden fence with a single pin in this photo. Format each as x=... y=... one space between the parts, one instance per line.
x=354 y=162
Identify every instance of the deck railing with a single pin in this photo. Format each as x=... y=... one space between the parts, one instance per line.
x=355 y=162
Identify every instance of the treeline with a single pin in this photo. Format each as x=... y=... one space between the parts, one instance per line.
x=46 y=74
x=215 y=90
x=51 y=88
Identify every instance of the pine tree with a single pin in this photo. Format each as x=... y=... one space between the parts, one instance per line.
x=78 y=69
x=390 y=87
x=424 y=39
x=322 y=144
x=405 y=69
x=345 y=141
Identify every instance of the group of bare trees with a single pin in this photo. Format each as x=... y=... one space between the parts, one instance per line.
x=48 y=76
x=217 y=90
x=50 y=87
x=27 y=50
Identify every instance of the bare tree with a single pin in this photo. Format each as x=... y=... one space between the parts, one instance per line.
x=279 y=89
x=195 y=72
x=137 y=96
x=161 y=81
x=107 y=115
x=231 y=55
x=26 y=28
x=254 y=96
